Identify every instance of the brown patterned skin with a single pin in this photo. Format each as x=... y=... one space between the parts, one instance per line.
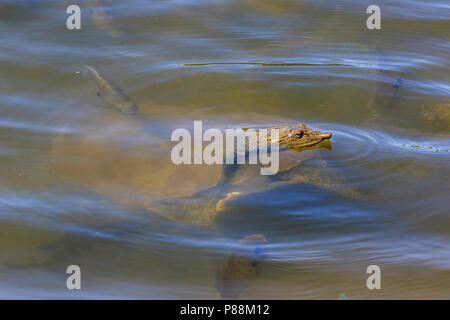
x=295 y=137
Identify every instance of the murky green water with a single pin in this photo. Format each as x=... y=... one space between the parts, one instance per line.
x=82 y=184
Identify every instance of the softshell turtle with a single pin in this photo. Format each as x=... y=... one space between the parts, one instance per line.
x=115 y=155
x=120 y=160
x=241 y=266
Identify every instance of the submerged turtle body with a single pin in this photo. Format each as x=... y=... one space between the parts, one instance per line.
x=113 y=155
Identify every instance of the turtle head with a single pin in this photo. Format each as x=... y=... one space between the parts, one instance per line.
x=300 y=137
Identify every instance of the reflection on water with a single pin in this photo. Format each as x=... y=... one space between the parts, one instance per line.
x=84 y=184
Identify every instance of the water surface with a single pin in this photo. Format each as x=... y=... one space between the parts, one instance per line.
x=72 y=171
